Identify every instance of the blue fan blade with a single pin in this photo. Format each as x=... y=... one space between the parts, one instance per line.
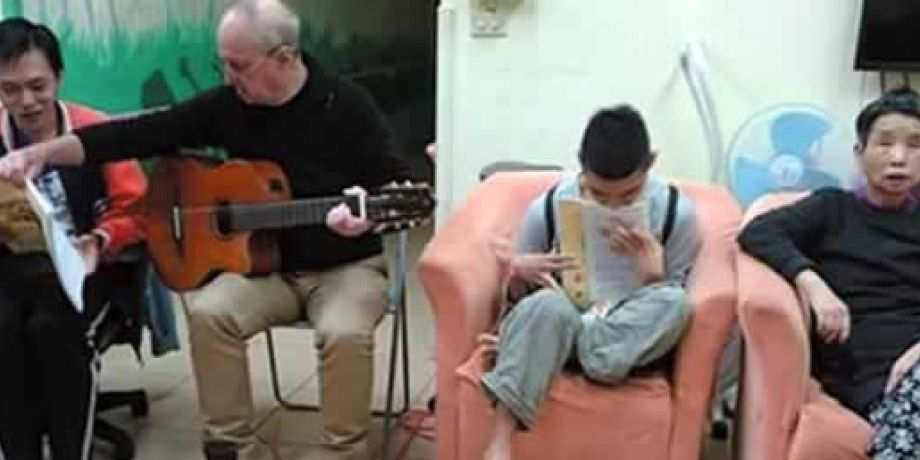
x=750 y=180
x=793 y=133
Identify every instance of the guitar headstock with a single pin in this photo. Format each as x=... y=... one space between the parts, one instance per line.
x=400 y=206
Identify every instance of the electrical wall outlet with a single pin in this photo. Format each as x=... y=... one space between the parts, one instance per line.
x=484 y=23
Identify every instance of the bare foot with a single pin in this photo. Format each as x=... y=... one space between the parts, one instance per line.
x=496 y=451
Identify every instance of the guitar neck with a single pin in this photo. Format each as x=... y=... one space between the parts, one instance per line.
x=286 y=214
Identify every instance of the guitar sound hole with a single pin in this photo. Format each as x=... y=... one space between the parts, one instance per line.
x=223 y=220
x=276 y=186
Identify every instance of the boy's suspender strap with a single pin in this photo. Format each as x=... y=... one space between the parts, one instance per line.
x=550 y=217
x=671 y=214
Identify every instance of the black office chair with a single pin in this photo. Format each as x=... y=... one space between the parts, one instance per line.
x=119 y=322
x=514 y=166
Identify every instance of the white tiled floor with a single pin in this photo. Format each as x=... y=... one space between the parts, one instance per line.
x=171 y=431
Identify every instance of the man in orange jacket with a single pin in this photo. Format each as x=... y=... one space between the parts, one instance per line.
x=47 y=383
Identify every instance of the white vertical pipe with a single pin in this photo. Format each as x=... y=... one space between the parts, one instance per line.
x=693 y=65
x=444 y=112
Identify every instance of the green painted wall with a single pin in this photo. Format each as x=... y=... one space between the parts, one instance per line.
x=125 y=55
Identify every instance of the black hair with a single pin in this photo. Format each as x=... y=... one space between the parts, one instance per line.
x=18 y=36
x=904 y=101
x=615 y=143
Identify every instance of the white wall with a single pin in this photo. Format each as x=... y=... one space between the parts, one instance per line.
x=527 y=96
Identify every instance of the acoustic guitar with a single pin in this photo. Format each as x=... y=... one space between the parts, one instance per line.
x=205 y=217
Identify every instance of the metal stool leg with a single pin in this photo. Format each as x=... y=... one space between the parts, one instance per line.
x=276 y=385
x=402 y=315
x=400 y=336
x=405 y=357
x=283 y=402
x=391 y=383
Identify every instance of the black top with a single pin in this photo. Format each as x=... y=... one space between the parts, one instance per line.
x=329 y=137
x=870 y=258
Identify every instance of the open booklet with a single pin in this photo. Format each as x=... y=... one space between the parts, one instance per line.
x=603 y=274
x=20 y=229
x=68 y=262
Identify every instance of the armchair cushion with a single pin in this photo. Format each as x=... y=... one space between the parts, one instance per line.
x=579 y=419
x=828 y=430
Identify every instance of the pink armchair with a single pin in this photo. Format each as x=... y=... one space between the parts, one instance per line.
x=649 y=418
x=783 y=413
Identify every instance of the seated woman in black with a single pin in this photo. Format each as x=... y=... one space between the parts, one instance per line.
x=854 y=257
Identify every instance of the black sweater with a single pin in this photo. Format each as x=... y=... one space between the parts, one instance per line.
x=871 y=259
x=329 y=137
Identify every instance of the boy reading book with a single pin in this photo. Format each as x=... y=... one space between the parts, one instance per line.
x=635 y=314
x=601 y=274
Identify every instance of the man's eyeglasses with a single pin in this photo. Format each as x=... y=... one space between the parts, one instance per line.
x=222 y=66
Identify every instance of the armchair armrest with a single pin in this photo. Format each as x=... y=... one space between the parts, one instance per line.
x=462 y=278
x=776 y=359
x=776 y=371
x=713 y=292
x=458 y=268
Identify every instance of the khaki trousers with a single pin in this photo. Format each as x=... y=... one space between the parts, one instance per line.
x=344 y=306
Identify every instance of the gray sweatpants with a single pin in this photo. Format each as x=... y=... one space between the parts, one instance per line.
x=544 y=330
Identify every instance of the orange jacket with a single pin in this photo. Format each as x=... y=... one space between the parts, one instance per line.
x=121 y=224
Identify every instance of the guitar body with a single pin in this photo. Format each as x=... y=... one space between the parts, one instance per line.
x=185 y=239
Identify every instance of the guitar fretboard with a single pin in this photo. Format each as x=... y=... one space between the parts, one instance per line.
x=311 y=211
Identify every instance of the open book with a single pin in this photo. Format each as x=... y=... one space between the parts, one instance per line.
x=68 y=262
x=20 y=229
x=603 y=274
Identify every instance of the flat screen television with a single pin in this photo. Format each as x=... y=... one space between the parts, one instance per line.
x=889 y=36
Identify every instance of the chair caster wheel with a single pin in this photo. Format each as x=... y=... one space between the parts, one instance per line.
x=719 y=430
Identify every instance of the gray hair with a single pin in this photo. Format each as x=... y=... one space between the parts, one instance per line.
x=275 y=24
